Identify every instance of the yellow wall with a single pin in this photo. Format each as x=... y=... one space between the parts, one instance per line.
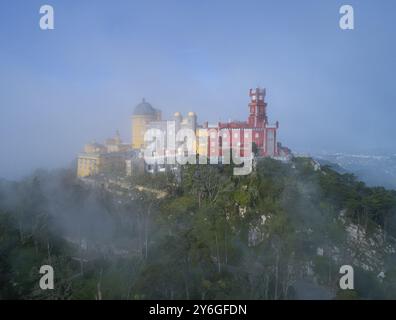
x=88 y=165
x=138 y=129
x=93 y=164
x=202 y=148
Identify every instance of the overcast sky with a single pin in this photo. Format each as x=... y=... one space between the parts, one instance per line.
x=331 y=90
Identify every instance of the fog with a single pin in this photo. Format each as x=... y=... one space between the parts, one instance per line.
x=331 y=90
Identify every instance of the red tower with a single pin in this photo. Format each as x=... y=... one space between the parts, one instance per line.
x=257 y=108
x=226 y=135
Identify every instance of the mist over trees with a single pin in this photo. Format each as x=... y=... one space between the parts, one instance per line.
x=281 y=232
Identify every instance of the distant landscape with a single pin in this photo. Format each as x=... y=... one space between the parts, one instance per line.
x=375 y=170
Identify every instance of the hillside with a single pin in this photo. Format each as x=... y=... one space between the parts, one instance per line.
x=280 y=233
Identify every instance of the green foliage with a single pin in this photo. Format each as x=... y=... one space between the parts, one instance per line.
x=347 y=295
x=214 y=235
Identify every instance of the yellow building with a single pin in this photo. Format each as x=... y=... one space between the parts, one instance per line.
x=98 y=158
x=143 y=114
x=202 y=142
x=115 y=157
x=88 y=165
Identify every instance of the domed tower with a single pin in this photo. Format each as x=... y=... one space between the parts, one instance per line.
x=192 y=120
x=142 y=115
x=178 y=120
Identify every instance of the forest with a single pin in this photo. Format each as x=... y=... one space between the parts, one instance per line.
x=282 y=232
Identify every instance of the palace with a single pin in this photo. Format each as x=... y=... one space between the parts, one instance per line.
x=264 y=135
x=210 y=139
x=103 y=158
